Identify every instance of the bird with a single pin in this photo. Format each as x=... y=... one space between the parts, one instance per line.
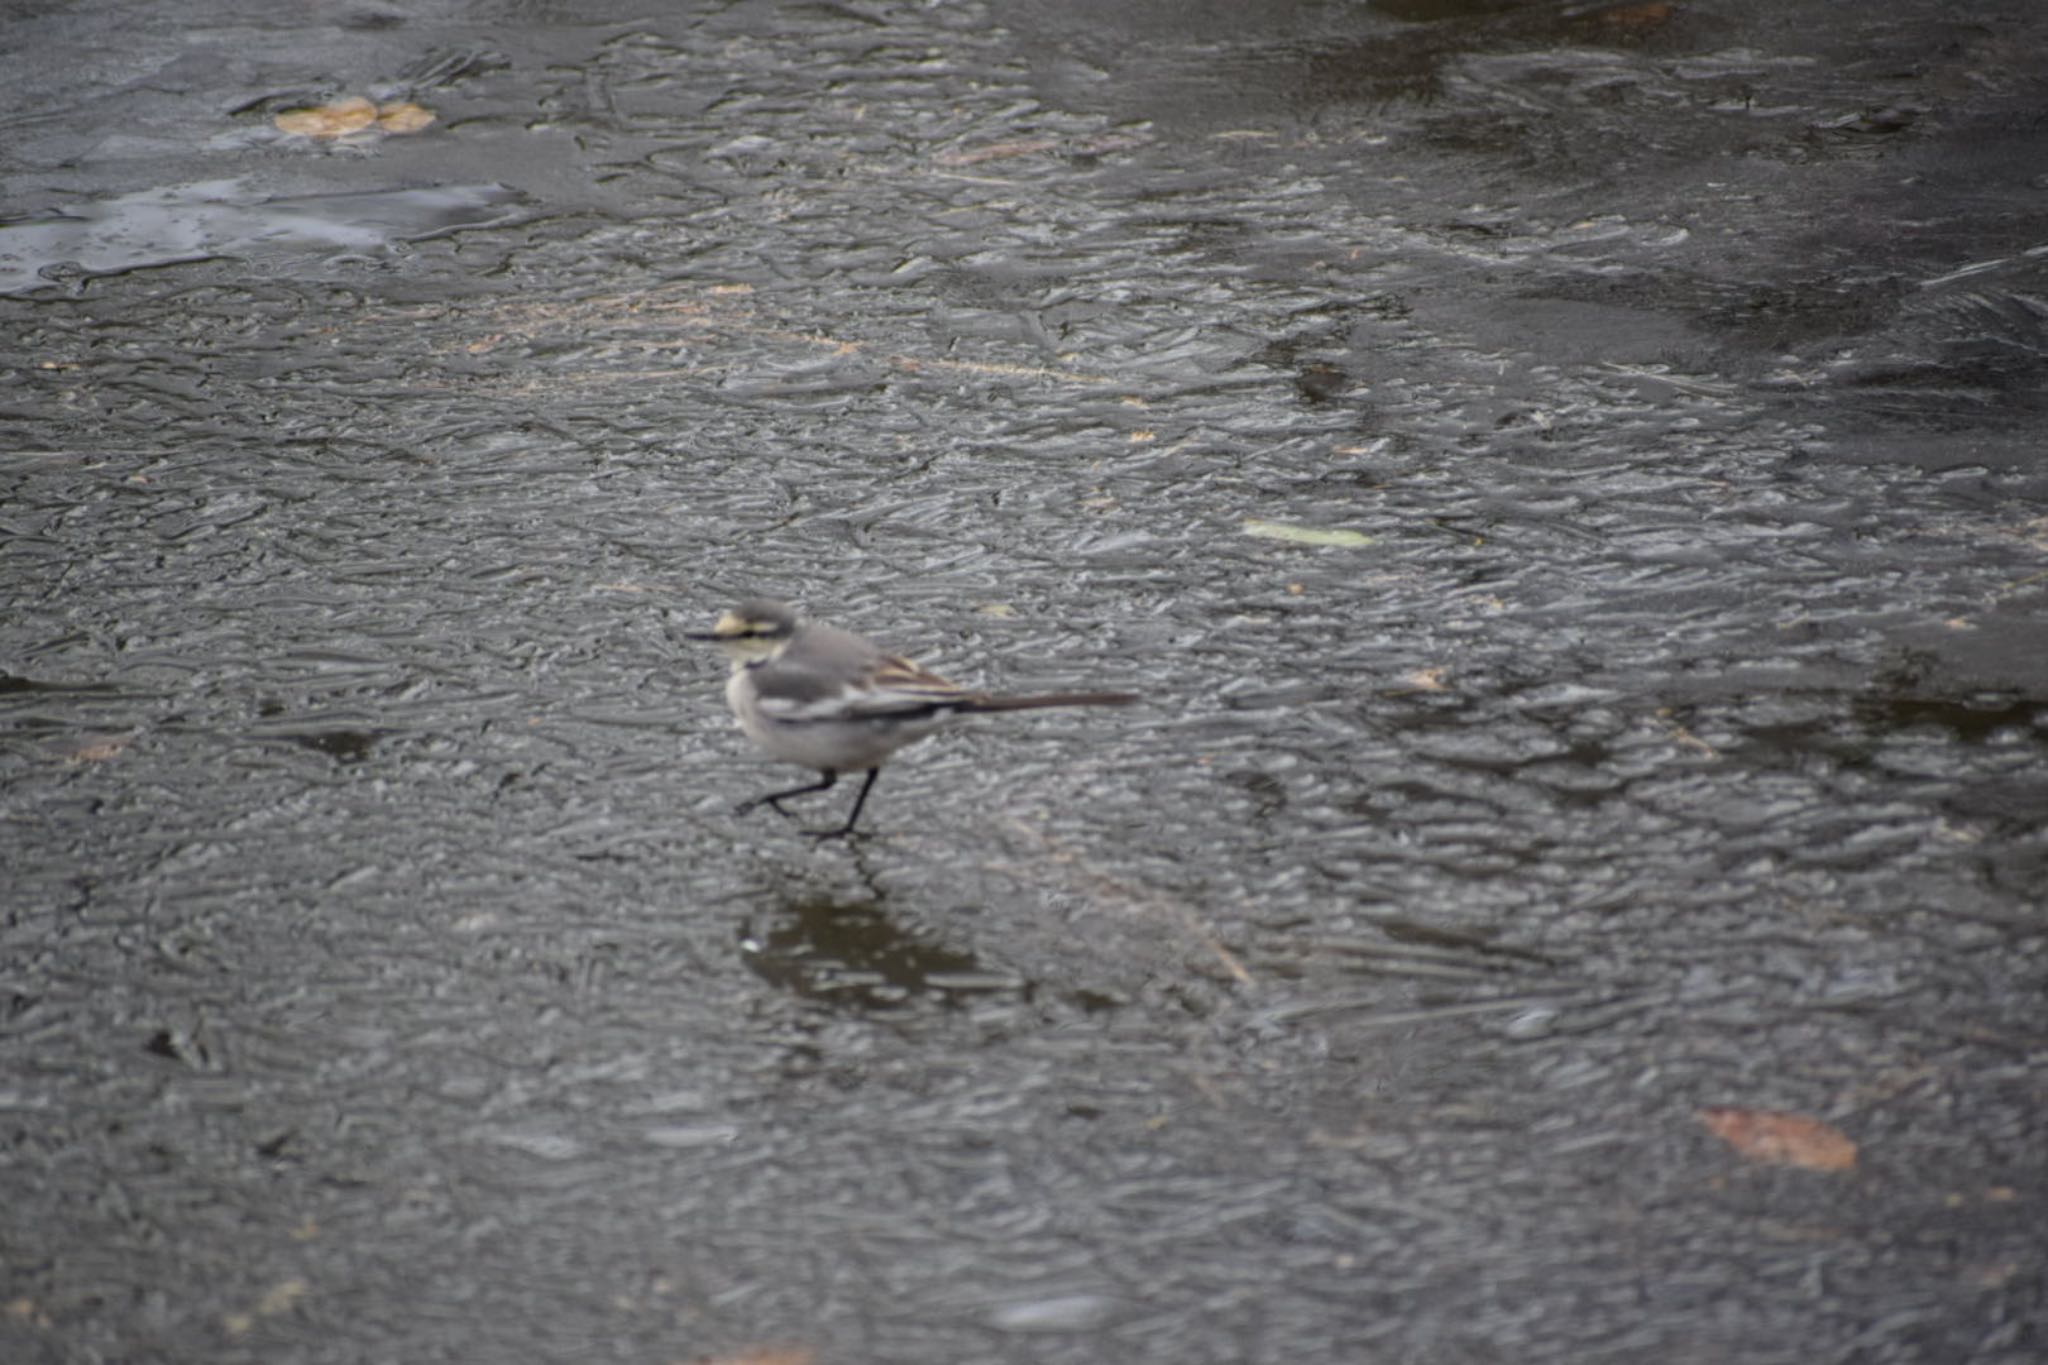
x=828 y=699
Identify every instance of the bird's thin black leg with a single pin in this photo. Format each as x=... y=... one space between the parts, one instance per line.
x=776 y=799
x=846 y=830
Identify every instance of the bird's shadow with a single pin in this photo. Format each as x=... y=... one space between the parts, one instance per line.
x=849 y=952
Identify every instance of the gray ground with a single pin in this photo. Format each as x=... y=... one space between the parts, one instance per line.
x=1660 y=728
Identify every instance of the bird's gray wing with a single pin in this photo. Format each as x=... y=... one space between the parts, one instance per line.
x=829 y=674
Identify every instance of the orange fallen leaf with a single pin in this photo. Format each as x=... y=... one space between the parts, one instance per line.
x=405 y=117
x=353 y=115
x=1425 y=679
x=1782 y=1139
x=328 y=120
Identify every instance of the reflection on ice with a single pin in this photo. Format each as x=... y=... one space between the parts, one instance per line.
x=208 y=218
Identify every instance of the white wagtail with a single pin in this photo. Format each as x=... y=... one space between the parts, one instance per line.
x=834 y=701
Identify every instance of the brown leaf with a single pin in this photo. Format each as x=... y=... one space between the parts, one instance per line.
x=1638 y=16
x=98 y=752
x=970 y=155
x=1782 y=1139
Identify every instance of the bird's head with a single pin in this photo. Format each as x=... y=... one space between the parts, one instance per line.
x=755 y=629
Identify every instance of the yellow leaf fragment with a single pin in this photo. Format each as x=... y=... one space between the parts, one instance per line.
x=282 y=1297
x=1782 y=1139
x=1305 y=535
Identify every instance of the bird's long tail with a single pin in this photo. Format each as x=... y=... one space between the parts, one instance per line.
x=971 y=705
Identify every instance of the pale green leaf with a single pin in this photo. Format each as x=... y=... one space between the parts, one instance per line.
x=1305 y=535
